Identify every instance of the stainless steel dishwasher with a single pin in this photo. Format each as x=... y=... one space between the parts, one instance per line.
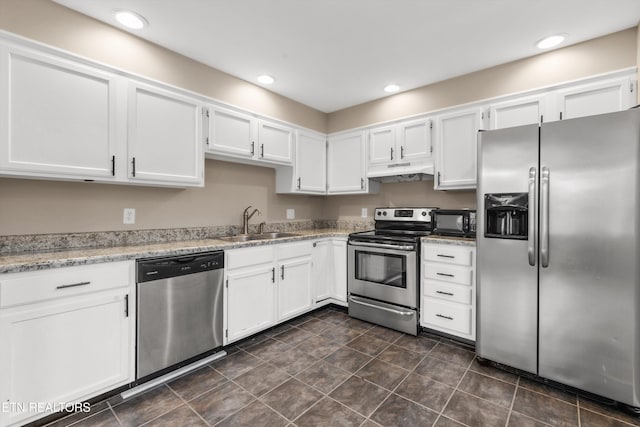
x=179 y=310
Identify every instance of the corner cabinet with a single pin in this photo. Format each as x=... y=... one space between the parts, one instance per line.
x=456 y=149
x=57 y=118
x=346 y=165
x=309 y=172
x=164 y=137
x=330 y=271
x=448 y=288
x=68 y=335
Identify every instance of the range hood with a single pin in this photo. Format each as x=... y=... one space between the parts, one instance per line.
x=402 y=172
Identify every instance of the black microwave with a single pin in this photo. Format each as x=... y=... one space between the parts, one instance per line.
x=453 y=222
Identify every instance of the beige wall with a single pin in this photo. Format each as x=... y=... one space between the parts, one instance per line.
x=32 y=206
x=397 y=195
x=597 y=56
x=55 y=25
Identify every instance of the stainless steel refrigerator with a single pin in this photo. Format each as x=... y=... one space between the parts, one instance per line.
x=558 y=249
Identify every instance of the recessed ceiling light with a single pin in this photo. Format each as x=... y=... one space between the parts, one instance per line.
x=391 y=88
x=130 y=19
x=266 y=79
x=551 y=41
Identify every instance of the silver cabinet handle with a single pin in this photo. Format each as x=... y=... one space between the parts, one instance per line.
x=445 y=274
x=113 y=165
x=402 y=152
x=544 y=217
x=362 y=183
x=383 y=246
x=438 y=179
x=133 y=167
x=262 y=151
x=282 y=272
x=356 y=300
x=445 y=256
x=73 y=285
x=531 y=240
x=253 y=147
x=299 y=179
x=444 y=317
x=273 y=275
x=391 y=153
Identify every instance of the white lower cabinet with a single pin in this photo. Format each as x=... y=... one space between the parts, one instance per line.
x=448 y=289
x=67 y=335
x=330 y=270
x=265 y=285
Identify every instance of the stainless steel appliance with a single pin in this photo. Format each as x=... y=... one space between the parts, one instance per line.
x=558 y=248
x=454 y=222
x=383 y=268
x=179 y=310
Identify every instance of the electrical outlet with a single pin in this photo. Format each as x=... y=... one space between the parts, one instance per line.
x=129 y=216
x=291 y=213
x=365 y=212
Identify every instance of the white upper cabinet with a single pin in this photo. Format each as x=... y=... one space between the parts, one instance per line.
x=57 y=118
x=231 y=132
x=518 y=112
x=346 y=170
x=594 y=98
x=400 y=148
x=456 y=148
x=164 y=137
x=275 y=142
x=311 y=163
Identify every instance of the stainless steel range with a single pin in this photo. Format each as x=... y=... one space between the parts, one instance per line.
x=383 y=268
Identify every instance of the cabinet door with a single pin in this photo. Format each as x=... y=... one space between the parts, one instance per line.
x=457 y=141
x=275 y=142
x=165 y=137
x=517 y=112
x=231 y=133
x=64 y=351
x=57 y=118
x=595 y=98
x=382 y=145
x=250 y=298
x=323 y=270
x=311 y=163
x=415 y=140
x=294 y=287
x=346 y=164
x=339 y=253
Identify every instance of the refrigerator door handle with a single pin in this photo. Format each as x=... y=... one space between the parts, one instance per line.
x=544 y=217
x=531 y=243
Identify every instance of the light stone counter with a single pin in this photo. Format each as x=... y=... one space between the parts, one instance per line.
x=450 y=240
x=29 y=261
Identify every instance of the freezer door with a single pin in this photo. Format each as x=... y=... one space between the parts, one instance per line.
x=507 y=277
x=589 y=274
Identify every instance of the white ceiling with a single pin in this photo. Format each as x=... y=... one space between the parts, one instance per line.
x=333 y=54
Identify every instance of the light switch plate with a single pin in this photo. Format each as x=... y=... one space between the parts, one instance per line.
x=129 y=216
x=365 y=212
x=291 y=213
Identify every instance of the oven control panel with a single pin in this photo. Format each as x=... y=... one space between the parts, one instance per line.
x=403 y=214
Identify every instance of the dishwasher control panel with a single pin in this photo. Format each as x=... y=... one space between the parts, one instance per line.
x=161 y=268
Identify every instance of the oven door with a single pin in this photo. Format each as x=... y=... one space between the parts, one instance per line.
x=383 y=271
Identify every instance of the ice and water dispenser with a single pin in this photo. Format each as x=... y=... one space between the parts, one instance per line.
x=506 y=215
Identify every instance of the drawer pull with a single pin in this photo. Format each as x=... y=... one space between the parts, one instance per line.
x=444 y=293
x=73 y=285
x=444 y=317
x=445 y=256
x=445 y=274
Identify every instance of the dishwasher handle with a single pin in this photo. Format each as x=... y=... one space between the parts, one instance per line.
x=162 y=268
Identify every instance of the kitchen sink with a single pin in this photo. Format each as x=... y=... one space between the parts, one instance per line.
x=261 y=236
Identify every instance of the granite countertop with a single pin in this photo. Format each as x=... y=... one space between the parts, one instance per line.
x=451 y=240
x=30 y=261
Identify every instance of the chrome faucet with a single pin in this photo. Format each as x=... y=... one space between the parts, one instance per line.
x=246 y=216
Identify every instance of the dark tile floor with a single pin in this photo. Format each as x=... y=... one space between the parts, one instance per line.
x=326 y=369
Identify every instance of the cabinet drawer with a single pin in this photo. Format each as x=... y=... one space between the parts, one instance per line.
x=295 y=250
x=448 y=273
x=450 y=316
x=246 y=257
x=447 y=291
x=34 y=286
x=450 y=254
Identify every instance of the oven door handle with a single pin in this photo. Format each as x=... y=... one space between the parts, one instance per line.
x=356 y=300
x=384 y=246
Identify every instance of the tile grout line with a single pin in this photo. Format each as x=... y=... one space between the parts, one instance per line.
x=441 y=414
x=513 y=401
x=195 y=397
